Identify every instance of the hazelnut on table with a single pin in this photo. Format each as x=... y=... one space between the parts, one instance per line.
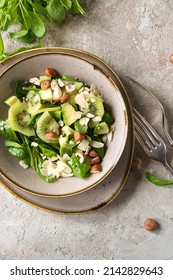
x=150 y=224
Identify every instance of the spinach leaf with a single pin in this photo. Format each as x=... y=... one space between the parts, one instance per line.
x=9 y=143
x=38 y=161
x=56 y=10
x=18 y=152
x=156 y=181
x=35 y=23
x=67 y=4
x=7 y=132
x=20 y=90
x=47 y=152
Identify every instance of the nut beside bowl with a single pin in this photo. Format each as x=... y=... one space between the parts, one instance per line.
x=88 y=72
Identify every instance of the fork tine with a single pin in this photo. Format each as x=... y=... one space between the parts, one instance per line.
x=139 y=136
x=145 y=133
x=154 y=135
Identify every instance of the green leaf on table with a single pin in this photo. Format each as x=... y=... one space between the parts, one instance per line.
x=156 y=181
x=56 y=10
x=18 y=34
x=40 y=9
x=35 y=23
x=67 y=4
x=76 y=8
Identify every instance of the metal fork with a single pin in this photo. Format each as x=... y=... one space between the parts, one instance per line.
x=150 y=141
x=164 y=117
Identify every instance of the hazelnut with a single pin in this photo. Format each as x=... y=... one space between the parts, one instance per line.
x=96 y=168
x=78 y=137
x=136 y=164
x=50 y=72
x=93 y=154
x=150 y=224
x=95 y=160
x=51 y=135
x=45 y=85
x=171 y=58
x=65 y=97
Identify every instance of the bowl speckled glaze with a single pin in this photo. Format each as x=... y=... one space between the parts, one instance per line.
x=85 y=70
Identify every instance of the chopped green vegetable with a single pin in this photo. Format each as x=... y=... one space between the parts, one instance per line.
x=80 y=169
x=156 y=181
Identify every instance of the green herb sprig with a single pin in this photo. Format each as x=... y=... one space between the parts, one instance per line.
x=33 y=16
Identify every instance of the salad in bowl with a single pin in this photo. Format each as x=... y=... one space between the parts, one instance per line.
x=57 y=125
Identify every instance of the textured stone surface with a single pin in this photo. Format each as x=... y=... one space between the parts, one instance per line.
x=134 y=38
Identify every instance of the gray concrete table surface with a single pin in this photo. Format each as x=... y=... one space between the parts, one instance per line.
x=134 y=38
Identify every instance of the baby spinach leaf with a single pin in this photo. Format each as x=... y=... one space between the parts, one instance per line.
x=18 y=152
x=79 y=169
x=36 y=24
x=156 y=181
x=38 y=161
x=9 y=143
x=56 y=10
x=7 y=132
x=47 y=152
x=20 y=90
x=67 y=4
x=18 y=34
x=76 y=8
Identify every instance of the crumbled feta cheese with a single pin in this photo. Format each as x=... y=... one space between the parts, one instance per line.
x=65 y=157
x=81 y=101
x=34 y=144
x=57 y=169
x=81 y=156
x=110 y=133
x=61 y=83
x=34 y=81
x=61 y=123
x=83 y=145
x=96 y=144
x=53 y=84
x=84 y=121
x=70 y=87
x=97 y=119
x=57 y=93
x=89 y=115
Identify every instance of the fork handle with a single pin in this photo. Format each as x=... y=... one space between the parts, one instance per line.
x=168 y=168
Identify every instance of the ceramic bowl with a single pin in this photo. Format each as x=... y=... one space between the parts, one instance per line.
x=85 y=70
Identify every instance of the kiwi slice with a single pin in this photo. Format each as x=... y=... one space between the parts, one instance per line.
x=47 y=128
x=69 y=114
x=45 y=108
x=33 y=101
x=95 y=105
x=18 y=118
